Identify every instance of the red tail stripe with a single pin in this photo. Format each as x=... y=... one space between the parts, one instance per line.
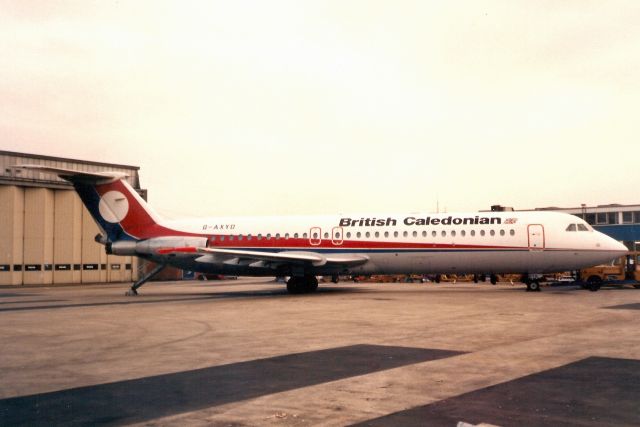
x=185 y=249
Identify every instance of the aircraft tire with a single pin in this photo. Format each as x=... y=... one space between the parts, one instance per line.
x=310 y=284
x=294 y=285
x=302 y=285
x=533 y=286
x=494 y=279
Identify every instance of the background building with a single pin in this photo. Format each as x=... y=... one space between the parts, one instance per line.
x=46 y=233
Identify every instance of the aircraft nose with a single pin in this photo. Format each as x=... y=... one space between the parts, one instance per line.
x=615 y=246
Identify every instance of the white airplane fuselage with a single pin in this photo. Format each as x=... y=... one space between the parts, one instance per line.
x=487 y=242
x=303 y=247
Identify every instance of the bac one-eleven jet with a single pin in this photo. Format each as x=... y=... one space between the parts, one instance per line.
x=304 y=247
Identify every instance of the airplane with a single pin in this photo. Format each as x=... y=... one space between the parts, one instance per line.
x=304 y=247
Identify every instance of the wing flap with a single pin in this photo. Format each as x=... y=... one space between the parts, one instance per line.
x=263 y=259
x=293 y=257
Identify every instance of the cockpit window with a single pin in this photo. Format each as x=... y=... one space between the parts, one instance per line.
x=578 y=227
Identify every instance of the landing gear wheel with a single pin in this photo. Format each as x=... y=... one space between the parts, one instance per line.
x=302 y=285
x=312 y=285
x=131 y=293
x=438 y=278
x=533 y=286
x=494 y=279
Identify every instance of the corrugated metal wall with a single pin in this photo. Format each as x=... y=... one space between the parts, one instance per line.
x=47 y=237
x=46 y=234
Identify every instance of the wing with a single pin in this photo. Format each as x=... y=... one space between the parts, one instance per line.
x=269 y=259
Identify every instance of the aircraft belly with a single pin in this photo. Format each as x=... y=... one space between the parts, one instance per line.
x=418 y=262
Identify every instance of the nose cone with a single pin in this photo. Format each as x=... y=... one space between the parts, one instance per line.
x=616 y=248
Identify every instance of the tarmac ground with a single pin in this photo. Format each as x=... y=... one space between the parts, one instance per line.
x=244 y=352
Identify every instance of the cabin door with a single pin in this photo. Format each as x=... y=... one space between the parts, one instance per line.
x=315 y=236
x=536 y=237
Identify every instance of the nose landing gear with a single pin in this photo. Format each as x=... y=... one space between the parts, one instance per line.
x=533 y=284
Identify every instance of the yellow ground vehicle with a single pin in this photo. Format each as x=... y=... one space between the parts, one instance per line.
x=624 y=270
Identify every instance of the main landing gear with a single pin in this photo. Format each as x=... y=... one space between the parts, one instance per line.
x=134 y=288
x=302 y=284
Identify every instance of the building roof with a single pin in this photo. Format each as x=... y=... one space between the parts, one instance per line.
x=9 y=175
x=64 y=159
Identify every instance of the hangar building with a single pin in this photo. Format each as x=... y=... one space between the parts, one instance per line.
x=46 y=233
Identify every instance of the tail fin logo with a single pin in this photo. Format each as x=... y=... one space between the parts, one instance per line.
x=113 y=206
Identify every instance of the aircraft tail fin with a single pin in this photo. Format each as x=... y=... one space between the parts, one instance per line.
x=115 y=206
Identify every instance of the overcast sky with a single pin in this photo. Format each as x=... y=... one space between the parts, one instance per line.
x=277 y=107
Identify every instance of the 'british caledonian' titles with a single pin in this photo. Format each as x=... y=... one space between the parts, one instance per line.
x=411 y=220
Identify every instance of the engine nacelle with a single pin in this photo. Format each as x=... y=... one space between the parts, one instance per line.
x=151 y=246
x=121 y=247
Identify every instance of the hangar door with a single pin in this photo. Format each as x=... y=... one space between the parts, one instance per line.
x=536 y=237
